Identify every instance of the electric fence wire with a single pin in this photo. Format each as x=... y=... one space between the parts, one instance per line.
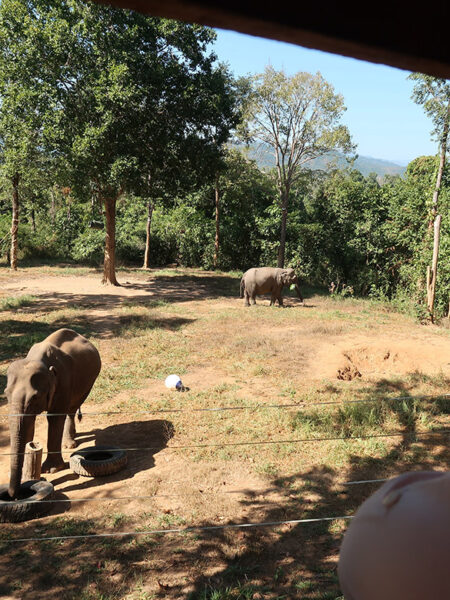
x=177 y=530
x=249 y=407
x=410 y=434
x=151 y=496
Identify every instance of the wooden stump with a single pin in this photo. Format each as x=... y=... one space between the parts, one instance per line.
x=32 y=461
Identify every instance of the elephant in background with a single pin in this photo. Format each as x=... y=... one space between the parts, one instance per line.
x=56 y=376
x=267 y=280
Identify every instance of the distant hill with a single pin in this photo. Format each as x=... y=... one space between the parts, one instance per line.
x=365 y=164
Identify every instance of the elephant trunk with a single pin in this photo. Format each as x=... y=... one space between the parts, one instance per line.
x=21 y=432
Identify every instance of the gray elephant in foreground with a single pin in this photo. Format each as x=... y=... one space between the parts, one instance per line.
x=56 y=376
x=267 y=280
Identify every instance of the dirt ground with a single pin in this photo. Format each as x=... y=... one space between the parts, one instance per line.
x=193 y=323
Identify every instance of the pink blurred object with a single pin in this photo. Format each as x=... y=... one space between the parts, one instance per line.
x=398 y=545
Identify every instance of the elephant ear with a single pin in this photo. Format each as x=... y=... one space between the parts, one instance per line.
x=280 y=277
x=285 y=276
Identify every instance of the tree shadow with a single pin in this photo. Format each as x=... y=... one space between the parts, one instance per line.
x=21 y=335
x=3 y=380
x=300 y=561
x=138 y=434
x=384 y=385
x=287 y=561
x=4 y=432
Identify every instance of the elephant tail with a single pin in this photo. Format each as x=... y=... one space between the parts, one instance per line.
x=241 y=295
x=79 y=414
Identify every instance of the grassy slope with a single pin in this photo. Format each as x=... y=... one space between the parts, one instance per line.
x=253 y=358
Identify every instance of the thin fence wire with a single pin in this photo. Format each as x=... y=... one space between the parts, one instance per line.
x=363 y=481
x=177 y=530
x=248 y=494
x=250 y=407
x=409 y=434
x=119 y=498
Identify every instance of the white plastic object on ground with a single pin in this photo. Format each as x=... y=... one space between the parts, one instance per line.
x=173 y=382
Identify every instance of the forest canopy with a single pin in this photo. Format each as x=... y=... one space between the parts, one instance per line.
x=117 y=141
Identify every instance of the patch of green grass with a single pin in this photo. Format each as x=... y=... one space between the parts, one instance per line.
x=70 y=271
x=117 y=519
x=304 y=586
x=267 y=468
x=93 y=594
x=169 y=520
x=236 y=592
x=68 y=526
x=18 y=337
x=145 y=303
x=351 y=420
x=14 y=302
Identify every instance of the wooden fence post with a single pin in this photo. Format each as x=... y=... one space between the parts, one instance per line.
x=32 y=461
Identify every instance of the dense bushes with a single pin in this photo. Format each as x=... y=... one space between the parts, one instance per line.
x=343 y=228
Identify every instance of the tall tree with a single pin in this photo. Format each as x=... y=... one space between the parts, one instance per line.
x=299 y=117
x=134 y=97
x=186 y=126
x=434 y=95
x=25 y=101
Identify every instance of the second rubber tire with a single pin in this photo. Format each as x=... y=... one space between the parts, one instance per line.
x=98 y=461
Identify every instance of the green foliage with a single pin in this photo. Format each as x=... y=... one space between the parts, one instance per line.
x=5 y=236
x=433 y=94
x=16 y=302
x=88 y=246
x=100 y=103
x=299 y=118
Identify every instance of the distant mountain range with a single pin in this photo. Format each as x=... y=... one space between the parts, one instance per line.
x=263 y=156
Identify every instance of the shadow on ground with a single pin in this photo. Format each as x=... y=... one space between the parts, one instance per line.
x=151 y=435
x=21 y=335
x=152 y=291
x=288 y=561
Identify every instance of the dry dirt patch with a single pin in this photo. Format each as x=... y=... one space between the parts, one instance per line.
x=381 y=356
x=232 y=356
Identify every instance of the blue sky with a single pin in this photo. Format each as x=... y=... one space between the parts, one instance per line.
x=383 y=120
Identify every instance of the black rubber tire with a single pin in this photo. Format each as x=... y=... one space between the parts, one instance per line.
x=109 y=460
x=30 y=507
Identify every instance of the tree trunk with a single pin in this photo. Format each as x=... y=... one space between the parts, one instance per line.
x=33 y=216
x=146 y=264
x=432 y=273
x=217 y=239
x=15 y=221
x=109 y=264
x=53 y=206
x=284 y=211
x=437 y=188
x=436 y=219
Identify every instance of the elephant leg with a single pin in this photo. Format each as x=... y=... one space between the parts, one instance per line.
x=254 y=298
x=247 y=298
x=279 y=296
x=69 y=432
x=54 y=461
x=273 y=297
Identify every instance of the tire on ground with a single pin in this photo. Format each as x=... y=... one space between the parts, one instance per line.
x=97 y=461
x=29 y=505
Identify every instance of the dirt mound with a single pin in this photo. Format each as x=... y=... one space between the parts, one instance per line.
x=349 y=371
x=347 y=360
